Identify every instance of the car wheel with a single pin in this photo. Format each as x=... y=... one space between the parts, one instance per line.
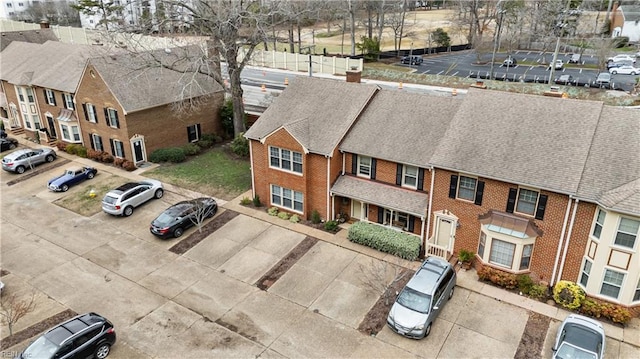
x=428 y=330
x=128 y=210
x=12 y=146
x=451 y=293
x=102 y=351
x=49 y=158
x=20 y=169
x=90 y=175
x=64 y=188
x=614 y=72
x=178 y=232
x=159 y=193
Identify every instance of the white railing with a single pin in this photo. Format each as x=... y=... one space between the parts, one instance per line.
x=432 y=249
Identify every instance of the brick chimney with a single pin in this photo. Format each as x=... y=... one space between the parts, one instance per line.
x=354 y=75
x=44 y=24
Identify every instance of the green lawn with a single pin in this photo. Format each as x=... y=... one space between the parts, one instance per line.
x=216 y=172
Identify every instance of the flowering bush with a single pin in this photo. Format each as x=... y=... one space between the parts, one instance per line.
x=498 y=277
x=597 y=309
x=568 y=294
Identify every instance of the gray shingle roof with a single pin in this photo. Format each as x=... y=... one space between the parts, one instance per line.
x=316 y=111
x=39 y=36
x=612 y=170
x=401 y=127
x=141 y=80
x=631 y=12
x=527 y=139
x=20 y=66
x=380 y=194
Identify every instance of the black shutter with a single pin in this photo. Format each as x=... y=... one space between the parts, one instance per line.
x=380 y=215
x=113 y=150
x=373 y=168
x=106 y=116
x=511 y=202
x=91 y=141
x=198 y=131
x=189 y=139
x=116 y=115
x=95 y=113
x=542 y=205
x=420 y=179
x=46 y=98
x=354 y=164
x=453 y=186
x=399 y=174
x=479 y=192
x=412 y=223
x=84 y=109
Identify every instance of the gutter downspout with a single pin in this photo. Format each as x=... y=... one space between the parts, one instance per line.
x=329 y=209
x=564 y=227
x=343 y=162
x=253 y=183
x=426 y=237
x=566 y=245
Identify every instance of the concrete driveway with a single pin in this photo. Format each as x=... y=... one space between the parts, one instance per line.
x=205 y=303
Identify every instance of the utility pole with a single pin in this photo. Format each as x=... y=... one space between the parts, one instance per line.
x=559 y=28
x=308 y=48
x=496 y=39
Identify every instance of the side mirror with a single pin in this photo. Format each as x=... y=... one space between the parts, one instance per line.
x=436 y=308
x=397 y=293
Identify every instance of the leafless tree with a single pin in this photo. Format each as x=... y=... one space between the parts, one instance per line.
x=56 y=13
x=476 y=16
x=381 y=277
x=12 y=309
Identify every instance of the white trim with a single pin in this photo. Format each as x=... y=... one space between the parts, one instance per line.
x=564 y=227
x=330 y=210
x=404 y=175
x=280 y=159
x=566 y=244
x=253 y=179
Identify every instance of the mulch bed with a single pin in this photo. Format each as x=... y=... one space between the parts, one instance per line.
x=196 y=237
x=533 y=337
x=36 y=171
x=376 y=318
x=286 y=263
x=36 y=329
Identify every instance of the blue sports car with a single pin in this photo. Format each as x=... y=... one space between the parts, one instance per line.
x=70 y=177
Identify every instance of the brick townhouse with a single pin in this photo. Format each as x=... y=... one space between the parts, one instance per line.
x=132 y=104
x=39 y=83
x=531 y=184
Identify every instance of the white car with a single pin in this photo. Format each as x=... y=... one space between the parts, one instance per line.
x=625 y=70
x=558 y=66
x=579 y=337
x=622 y=58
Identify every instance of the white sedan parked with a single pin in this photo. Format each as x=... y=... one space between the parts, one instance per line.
x=625 y=70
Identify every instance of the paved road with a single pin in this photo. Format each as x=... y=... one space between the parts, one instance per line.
x=205 y=302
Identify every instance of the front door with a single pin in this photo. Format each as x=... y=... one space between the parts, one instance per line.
x=356 y=209
x=52 y=127
x=444 y=232
x=138 y=152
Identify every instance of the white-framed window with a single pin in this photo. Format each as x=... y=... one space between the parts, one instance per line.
x=9 y=4
x=627 y=232
x=193 y=132
x=364 y=166
x=287 y=198
x=30 y=96
x=97 y=142
x=90 y=111
x=68 y=101
x=117 y=148
x=51 y=97
x=525 y=258
x=70 y=133
x=20 y=93
x=597 y=228
x=467 y=188
x=112 y=117
x=410 y=176
x=611 y=283
x=36 y=121
x=585 y=273
x=285 y=159
x=396 y=218
x=481 y=245
x=636 y=294
x=527 y=201
x=502 y=253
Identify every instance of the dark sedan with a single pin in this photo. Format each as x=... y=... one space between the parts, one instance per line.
x=183 y=215
x=8 y=143
x=71 y=177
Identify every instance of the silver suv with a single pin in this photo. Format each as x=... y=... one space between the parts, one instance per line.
x=122 y=200
x=422 y=299
x=18 y=161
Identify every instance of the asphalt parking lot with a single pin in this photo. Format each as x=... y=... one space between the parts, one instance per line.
x=205 y=302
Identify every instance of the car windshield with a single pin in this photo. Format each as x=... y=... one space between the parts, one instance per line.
x=41 y=348
x=582 y=337
x=568 y=351
x=165 y=218
x=414 y=300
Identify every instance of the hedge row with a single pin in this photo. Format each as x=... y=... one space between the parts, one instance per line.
x=385 y=240
x=179 y=154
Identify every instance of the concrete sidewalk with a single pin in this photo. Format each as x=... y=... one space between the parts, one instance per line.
x=467 y=279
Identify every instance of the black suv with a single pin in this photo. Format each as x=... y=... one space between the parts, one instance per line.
x=412 y=60
x=87 y=335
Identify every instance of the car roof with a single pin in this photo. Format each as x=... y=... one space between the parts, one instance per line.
x=426 y=278
x=74 y=169
x=127 y=186
x=583 y=337
x=62 y=332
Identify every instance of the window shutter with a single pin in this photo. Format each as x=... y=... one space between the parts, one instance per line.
x=399 y=174
x=373 y=168
x=84 y=109
x=354 y=164
x=420 y=179
x=542 y=205
x=117 y=122
x=453 y=186
x=46 y=98
x=95 y=113
x=412 y=223
x=189 y=139
x=479 y=193
x=380 y=215
x=113 y=150
x=92 y=138
x=511 y=202
x=53 y=95
x=198 y=131
x=106 y=116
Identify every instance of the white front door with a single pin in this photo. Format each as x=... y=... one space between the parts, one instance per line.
x=444 y=229
x=356 y=209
